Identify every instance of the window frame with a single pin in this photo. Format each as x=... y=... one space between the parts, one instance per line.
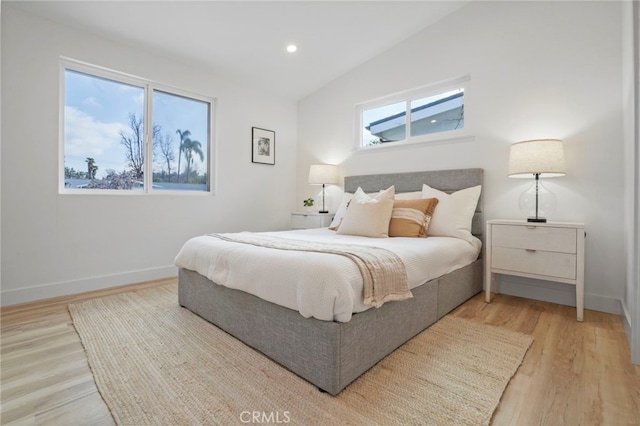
x=149 y=87
x=407 y=97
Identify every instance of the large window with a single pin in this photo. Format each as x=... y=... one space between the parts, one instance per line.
x=417 y=115
x=124 y=134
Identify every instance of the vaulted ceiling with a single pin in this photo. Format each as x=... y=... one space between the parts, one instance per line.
x=246 y=40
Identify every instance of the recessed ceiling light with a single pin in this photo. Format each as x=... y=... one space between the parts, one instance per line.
x=292 y=48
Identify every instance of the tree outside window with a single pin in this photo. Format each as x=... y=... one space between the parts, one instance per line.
x=112 y=141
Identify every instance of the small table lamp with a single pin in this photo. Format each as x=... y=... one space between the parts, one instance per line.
x=540 y=158
x=323 y=174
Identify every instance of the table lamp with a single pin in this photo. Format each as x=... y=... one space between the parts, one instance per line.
x=323 y=174
x=538 y=158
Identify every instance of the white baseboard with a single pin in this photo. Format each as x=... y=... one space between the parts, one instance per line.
x=65 y=288
x=626 y=322
x=563 y=294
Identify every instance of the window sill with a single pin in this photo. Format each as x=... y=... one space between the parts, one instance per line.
x=421 y=143
x=128 y=192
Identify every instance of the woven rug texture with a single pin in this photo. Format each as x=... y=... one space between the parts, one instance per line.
x=156 y=363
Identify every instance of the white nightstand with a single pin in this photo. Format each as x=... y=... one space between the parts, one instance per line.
x=552 y=251
x=302 y=220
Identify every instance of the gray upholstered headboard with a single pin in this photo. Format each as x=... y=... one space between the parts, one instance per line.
x=445 y=180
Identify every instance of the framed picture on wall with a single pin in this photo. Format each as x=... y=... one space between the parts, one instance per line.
x=263 y=143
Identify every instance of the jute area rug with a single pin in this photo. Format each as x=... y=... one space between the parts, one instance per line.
x=155 y=362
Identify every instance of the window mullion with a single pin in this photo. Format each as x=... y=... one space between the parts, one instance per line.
x=148 y=139
x=408 y=121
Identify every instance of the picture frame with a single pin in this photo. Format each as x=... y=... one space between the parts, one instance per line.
x=263 y=146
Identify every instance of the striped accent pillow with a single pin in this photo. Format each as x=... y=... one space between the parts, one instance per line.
x=411 y=218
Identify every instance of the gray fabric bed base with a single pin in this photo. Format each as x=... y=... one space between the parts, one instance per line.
x=328 y=354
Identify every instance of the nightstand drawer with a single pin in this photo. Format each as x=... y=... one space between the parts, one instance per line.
x=302 y=221
x=550 y=264
x=562 y=240
x=310 y=220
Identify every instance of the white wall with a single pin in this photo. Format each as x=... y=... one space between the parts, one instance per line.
x=538 y=69
x=631 y=126
x=59 y=244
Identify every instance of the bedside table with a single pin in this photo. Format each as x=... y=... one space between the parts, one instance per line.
x=552 y=251
x=302 y=220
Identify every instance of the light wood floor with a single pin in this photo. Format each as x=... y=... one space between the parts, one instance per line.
x=574 y=373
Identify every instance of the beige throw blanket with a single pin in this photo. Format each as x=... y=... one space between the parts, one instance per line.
x=384 y=276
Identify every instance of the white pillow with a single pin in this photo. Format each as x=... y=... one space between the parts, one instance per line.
x=454 y=213
x=346 y=197
x=408 y=195
x=342 y=209
x=368 y=216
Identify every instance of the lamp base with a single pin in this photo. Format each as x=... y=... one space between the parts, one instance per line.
x=537 y=219
x=537 y=203
x=323 y=211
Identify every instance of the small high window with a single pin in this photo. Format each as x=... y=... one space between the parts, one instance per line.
x=123 y=134
x=417 y=115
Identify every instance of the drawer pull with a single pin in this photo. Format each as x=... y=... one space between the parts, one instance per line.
x=530 y=250
x=531 y=226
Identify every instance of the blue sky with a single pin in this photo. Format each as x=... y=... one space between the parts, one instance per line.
x=97 y=110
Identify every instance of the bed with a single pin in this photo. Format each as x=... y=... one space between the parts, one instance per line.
x=332 y=353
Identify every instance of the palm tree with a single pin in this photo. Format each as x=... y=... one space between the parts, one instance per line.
x=91 y=168
x=184 y=136
x=189 y=147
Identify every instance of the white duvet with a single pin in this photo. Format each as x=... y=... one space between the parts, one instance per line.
x=319 y=285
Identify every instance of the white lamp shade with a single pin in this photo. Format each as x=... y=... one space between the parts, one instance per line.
x=323 y=173
x=541 y=156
